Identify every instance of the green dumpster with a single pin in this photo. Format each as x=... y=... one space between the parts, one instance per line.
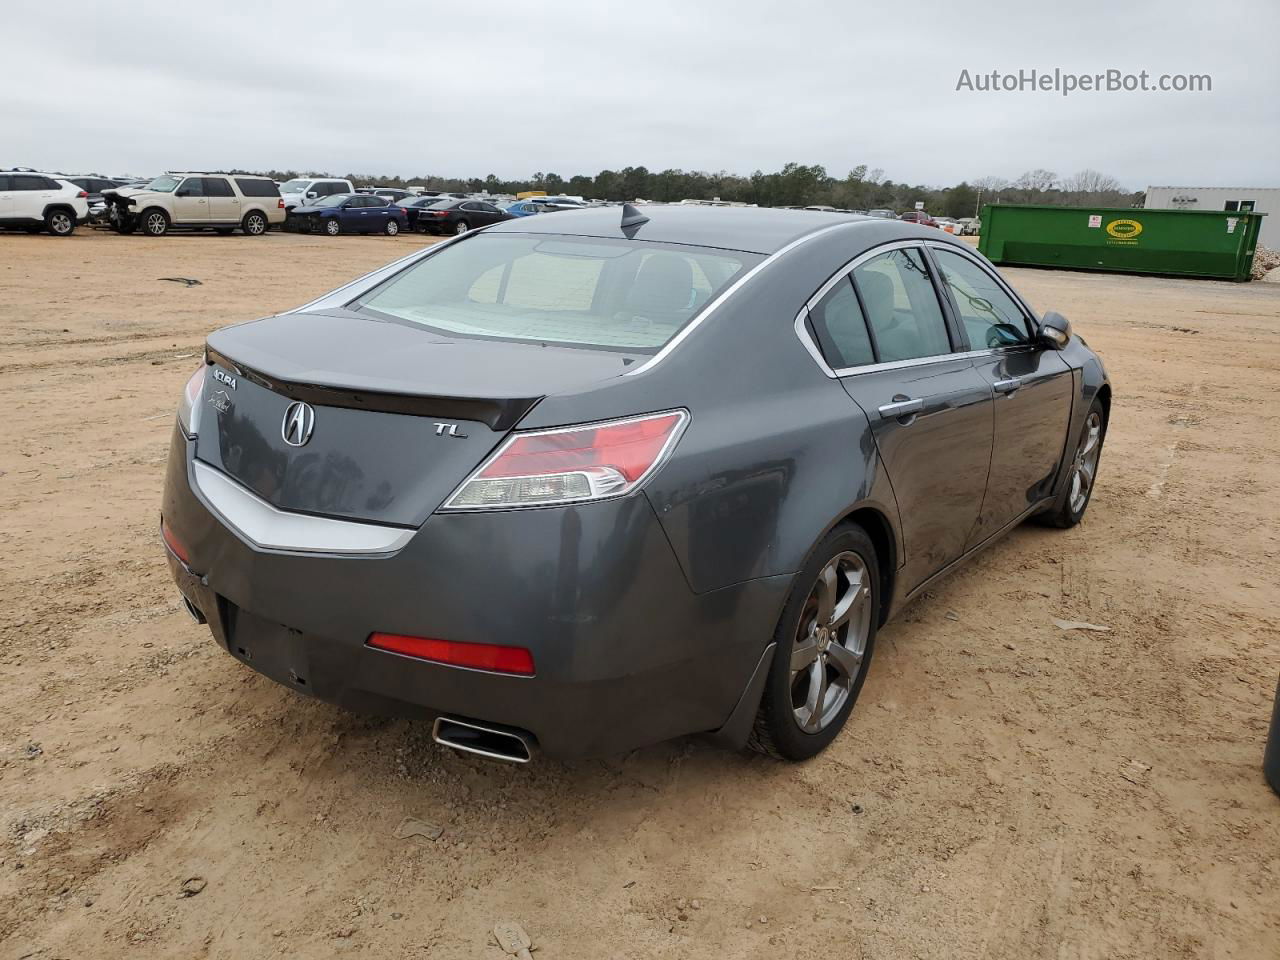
x=1192 y=243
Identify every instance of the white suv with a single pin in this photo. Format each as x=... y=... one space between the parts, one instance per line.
x=304 y=191
x=37 y=201
x=197 y=201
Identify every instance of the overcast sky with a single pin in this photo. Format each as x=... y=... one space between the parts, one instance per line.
x=575 y=87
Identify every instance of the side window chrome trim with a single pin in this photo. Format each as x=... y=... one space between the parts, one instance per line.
x=914 y=362
x=802 y=331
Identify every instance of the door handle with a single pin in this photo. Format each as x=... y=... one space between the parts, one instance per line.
x=1006 y=386
x=900 y=409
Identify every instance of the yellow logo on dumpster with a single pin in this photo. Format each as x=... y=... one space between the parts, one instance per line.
x=1124 y=229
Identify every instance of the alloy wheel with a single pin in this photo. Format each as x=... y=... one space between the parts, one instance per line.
x=332 y=227
x=156 y=225
x=460 y=227
x=392 y=228
x=830 y=642
x=1085 y=465
x=60 y=223
x=255 y=225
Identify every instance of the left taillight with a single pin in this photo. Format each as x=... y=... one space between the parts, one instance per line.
x=189 y=405
x=171 y=540
x=82 y=194
x=571 y=465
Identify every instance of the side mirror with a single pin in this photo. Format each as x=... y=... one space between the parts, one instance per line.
x=1055 y=331
x=311 y=194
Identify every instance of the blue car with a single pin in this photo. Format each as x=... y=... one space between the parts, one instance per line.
x=348 y=213
x=525 y=208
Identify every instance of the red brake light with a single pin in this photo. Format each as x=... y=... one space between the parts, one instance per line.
x=82 y=194
x=280 y=204
x=174 y=543
x=477 y=656
x=571 y=464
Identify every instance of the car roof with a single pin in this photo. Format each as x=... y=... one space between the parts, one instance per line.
x=751 y=229
x=199 y=173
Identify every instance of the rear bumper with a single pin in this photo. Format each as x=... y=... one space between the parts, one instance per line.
x=625 y=653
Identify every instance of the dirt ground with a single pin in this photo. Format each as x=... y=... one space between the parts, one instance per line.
x=1004 y=789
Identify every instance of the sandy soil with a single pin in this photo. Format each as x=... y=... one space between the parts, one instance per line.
x=1004 y=789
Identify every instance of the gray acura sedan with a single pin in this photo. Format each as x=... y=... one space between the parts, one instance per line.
x=583 y=483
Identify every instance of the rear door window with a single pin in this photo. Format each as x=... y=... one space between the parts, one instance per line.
x=217 y=187
x=902 y=307
x=24 y=181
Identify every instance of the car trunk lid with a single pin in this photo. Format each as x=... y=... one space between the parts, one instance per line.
x=399 y=415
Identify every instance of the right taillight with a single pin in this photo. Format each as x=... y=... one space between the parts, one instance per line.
x=572 y=464
x=188 y=406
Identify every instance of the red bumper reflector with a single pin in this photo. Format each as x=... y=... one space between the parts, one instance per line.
x=478 y=656
x=173 y=542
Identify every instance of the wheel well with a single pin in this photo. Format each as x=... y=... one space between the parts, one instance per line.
x=881 y=534
x=146 y=210
x=59 y=206
x=1104 y=395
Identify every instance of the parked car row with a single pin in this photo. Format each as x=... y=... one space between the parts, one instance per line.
x=224 y=202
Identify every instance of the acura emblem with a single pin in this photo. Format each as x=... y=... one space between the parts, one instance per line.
x=299 y=421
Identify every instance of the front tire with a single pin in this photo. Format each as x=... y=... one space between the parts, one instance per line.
x=332 y=227
x=1069 y=510
x=824 y=643
x=60 y=223
x=155 y=222
x=254 y=224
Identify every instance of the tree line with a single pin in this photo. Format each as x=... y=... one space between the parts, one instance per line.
x=794 y=185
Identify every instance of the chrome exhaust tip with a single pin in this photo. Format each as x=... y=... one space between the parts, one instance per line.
x=192 y=610
x=484 y=740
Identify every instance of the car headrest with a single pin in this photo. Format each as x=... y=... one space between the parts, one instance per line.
x=663 y=288
x=877 y=295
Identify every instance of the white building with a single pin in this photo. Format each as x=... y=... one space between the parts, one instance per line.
x=1258 y=199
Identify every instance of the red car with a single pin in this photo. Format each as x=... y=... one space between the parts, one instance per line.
x=920 y=217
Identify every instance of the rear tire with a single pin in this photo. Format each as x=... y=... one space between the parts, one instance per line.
x=155 y=222
x=60 y=223
x=1087 y=453
x=460 y=228
x=254 y=224
x=824 y=643
x=392 y=227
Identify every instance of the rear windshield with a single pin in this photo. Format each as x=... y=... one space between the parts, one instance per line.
x=575 y=291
